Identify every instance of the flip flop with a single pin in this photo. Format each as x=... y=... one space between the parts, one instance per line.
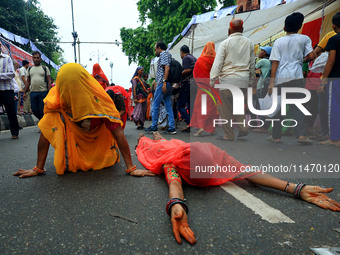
x=186 y=129
x=271 y=140
x=220 y=137
x=329 y=143
x=305 y=141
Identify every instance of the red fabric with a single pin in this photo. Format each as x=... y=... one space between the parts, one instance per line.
x=312 y=29
x=201 y=74
x=313 y=81
x=96 y=122
x=186 y=157
x=120 y=90
x=97 y=70
x=129 y=110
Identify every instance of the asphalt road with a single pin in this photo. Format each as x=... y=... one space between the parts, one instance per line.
x=72 y=214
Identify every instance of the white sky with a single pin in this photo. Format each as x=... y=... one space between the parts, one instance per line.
x=98 y=20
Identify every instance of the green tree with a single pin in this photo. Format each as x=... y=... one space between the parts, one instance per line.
x=166 y=18
x=227 y=3
x=29 y=21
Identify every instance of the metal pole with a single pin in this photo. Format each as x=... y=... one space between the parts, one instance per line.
x=192 y=41
x=111 y=65
x=78 y=49
x=74 y=34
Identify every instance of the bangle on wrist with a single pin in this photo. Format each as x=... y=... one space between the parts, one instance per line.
x=286 y=188
x=131 y=169
x=39 y=171
x=174 y=201
x=298 y=189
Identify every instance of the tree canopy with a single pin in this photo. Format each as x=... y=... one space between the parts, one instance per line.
x=29 y=21
x=166 y=19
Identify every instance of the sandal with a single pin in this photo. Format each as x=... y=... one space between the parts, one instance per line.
x=306 y=140
x=330 y=143
x=186 y=129
x=272 y=140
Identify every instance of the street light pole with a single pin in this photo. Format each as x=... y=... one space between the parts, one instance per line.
x=99 y=55
x=111 y=65
x=74 y=34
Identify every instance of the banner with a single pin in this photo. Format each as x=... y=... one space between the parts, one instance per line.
x=15 y=52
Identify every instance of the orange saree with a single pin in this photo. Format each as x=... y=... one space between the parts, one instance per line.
x=78 y=96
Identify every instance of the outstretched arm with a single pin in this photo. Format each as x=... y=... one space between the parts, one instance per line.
x=312 y=194
x=124 y=148
x=179 y=217
x=43 y=146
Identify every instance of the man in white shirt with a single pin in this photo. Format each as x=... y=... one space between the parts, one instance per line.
x=234 y=64
x=7 y=74
x=23 y=78
x=287 y=58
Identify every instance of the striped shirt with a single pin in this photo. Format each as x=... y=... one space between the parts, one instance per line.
x=7 y=73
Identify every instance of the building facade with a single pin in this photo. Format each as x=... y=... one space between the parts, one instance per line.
x=247 y=5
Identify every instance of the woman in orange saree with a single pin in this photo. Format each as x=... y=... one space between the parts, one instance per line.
x=100 y=76
x=201 y=75
x=197 y=164
x=83 y=125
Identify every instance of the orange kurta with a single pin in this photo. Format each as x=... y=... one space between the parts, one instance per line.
x=78 y=96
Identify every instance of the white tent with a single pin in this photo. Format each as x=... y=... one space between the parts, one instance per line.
x=259 y=25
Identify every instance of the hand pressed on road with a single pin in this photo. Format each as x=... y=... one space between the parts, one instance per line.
x=180 y=227
x=142 y=173
x=26 y=173
x=316 y=195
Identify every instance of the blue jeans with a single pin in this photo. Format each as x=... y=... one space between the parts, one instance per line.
x=37 y=103
x=184 y=101
x=158 y=97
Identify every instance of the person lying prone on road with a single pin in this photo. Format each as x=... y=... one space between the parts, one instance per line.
x=176 y=159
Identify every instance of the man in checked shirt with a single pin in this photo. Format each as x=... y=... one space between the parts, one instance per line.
x=7 y=74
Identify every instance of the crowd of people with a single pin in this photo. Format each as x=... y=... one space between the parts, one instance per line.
x=291 y=62
x=82 y=111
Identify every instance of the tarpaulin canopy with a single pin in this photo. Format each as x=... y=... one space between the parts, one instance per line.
x=23 y=41
x=260 y=26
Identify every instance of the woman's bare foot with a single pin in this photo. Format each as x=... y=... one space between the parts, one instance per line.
x=157 y=136
x=199 y=132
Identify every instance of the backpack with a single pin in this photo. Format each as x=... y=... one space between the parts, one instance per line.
x=175 y=72
x=44 y=67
